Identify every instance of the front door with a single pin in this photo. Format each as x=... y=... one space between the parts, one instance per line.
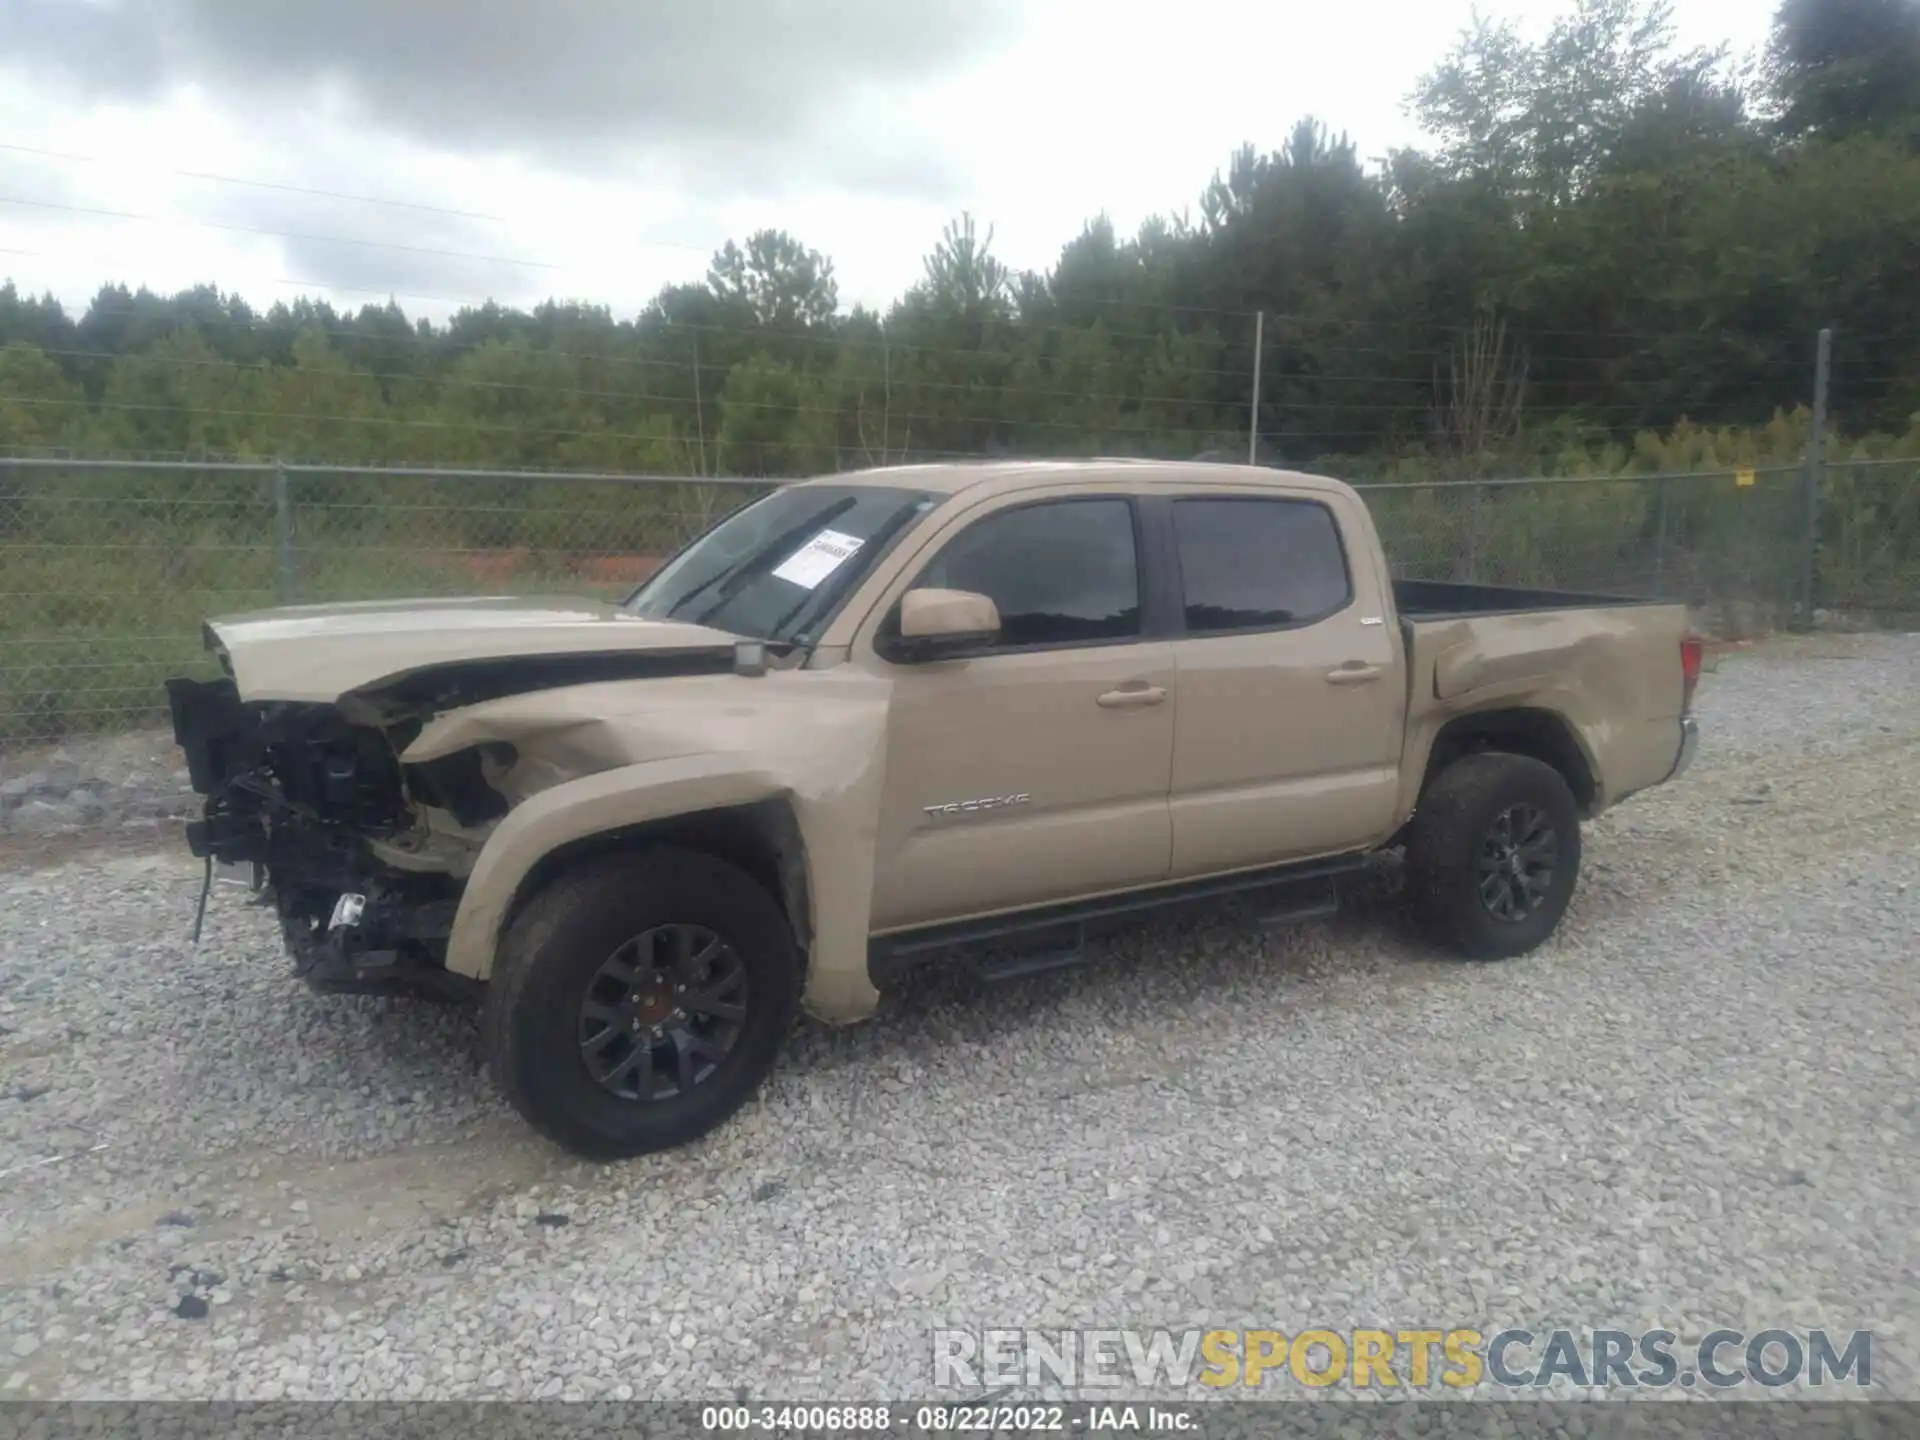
x=1037 y=769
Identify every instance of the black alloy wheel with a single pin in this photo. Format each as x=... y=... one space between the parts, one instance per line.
x=1516 y=862
x=639 y=998
x=662 y=1012
x=1493 y=854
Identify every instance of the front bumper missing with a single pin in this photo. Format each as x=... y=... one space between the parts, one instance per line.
x=1689 y=742
x=372 y=944
x=351 y=925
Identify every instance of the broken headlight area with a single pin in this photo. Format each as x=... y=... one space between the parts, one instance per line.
x=301 y=795
x=462 y=784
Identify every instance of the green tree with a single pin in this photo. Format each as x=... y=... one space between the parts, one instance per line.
x=39 y=407
x=776 y=281
x=776 y=421
x=1847 y=67
x=1540 y=119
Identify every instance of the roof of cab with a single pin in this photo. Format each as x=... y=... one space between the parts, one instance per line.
x=951 y=477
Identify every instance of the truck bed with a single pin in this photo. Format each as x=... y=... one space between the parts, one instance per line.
x=1456 y=600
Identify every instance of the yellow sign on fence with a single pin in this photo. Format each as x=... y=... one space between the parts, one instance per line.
x=1743 y=478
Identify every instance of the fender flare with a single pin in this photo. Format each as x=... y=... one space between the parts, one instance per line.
x=839 y=886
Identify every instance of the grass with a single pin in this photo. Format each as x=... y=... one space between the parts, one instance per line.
x=106 y=577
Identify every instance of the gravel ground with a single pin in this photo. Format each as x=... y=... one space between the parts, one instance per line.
x=1697 y=1108
x=114 y=789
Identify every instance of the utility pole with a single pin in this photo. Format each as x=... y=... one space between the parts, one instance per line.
x=286 y=561
x=699 y=413
x=1816 y=457
x=1253 y=418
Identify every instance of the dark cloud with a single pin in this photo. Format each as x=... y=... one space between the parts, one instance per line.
x=755 y=90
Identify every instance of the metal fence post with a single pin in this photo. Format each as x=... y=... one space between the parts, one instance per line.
x=1253 y=411
x=1476 y=530
x=1816 y=447
x=286 y=575
x=1660 y=538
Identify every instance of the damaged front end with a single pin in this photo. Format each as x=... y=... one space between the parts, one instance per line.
x=302 y=752
x=317 y=808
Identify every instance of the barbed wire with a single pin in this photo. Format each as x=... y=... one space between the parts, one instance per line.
x=255 y=469
x=581 y=432
x=1275 y=340
x=265 y=369
x=1274 y=370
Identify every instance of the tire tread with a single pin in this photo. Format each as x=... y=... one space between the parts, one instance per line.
x=1445 y=833
x=616 y=878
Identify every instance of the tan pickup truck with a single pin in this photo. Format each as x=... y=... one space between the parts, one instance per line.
x=879 y=718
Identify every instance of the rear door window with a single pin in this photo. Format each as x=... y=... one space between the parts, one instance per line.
x=1250 y=563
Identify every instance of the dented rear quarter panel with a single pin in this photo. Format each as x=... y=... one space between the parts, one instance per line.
x=1612 y=672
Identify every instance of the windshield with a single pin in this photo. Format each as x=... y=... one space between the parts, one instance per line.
x=778 y=567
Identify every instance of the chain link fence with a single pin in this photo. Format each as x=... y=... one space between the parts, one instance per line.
x=107 y=568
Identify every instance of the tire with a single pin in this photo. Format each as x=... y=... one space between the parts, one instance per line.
x=551 y=1016
x=1464 y=891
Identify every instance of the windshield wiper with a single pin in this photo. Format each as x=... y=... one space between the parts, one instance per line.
x=759 y=561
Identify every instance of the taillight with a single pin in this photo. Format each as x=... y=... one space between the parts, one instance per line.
x=1691 y=651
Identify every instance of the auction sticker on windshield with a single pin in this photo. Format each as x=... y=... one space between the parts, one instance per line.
x=817 y=559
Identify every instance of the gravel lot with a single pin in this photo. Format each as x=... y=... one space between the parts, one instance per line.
x=1696 y=1108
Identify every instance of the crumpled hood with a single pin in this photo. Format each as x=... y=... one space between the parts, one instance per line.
x=319 y=653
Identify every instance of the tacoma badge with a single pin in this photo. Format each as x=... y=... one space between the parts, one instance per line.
x=968 y=807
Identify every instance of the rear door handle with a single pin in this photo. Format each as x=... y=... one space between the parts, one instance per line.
x=1132 y=697
x=1355 y=672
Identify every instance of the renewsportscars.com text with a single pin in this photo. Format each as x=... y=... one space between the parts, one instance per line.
x=1393 y=1359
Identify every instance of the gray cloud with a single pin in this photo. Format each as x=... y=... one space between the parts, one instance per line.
x=374 y=252
x=746 y=93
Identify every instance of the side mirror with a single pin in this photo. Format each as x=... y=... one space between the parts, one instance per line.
x=938 y=623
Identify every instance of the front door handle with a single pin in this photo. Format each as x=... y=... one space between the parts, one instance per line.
x=1131 y=697
x=1355 y=672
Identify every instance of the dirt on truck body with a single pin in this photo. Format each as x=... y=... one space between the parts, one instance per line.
x=875 y=718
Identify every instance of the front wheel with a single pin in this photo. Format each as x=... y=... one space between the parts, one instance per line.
x=640 y=1000
x=1493 y=852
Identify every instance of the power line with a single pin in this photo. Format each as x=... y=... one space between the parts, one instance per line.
x=260 y=184
x=308 y=286
x=277 y=234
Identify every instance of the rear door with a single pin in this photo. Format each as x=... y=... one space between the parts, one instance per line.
x=1036 y=769
x=1292 y=700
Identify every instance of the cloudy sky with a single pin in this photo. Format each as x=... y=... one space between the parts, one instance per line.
x=448 y=151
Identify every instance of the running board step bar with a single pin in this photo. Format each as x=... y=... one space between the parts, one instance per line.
x=1281 y=896
x=1036 y=962
x=1315 y=901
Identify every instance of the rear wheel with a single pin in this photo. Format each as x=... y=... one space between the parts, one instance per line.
x=1493 y=853
x=640 y=1000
